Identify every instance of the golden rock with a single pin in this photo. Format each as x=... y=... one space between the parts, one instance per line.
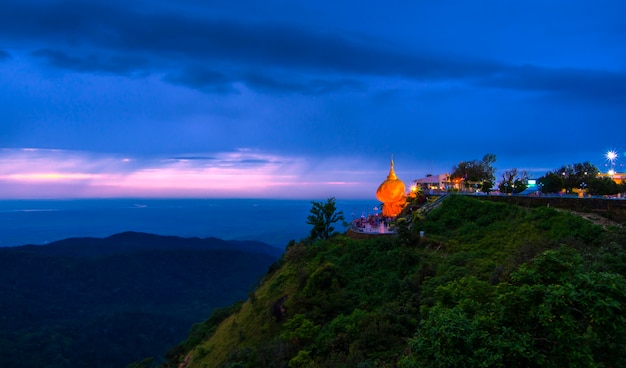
x=391 y=193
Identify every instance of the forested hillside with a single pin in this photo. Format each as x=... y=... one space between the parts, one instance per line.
x=490 y=284
x=90 y=302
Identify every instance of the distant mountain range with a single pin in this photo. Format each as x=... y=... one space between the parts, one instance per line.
x=134 y=242
x=108 y=302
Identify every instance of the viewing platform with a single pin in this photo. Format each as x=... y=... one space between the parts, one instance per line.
x=367 y=228
x=371 y=226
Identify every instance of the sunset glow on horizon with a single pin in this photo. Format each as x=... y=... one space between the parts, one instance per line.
x=41 y=173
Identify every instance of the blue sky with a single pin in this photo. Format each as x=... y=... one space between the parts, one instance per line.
x=291 y=99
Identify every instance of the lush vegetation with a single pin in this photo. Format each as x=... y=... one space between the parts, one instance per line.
x=513 y=181
x=489 y=284
x=580 y=176
x=108 y=302
x=480 y=173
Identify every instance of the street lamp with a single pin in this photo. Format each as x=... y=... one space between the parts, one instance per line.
x=611 y=156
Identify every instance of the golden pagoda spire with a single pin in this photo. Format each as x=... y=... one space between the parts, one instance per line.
x=392 y=173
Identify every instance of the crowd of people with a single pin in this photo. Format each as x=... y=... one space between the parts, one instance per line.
x=372 y=224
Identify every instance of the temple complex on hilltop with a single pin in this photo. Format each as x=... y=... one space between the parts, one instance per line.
x=391 y=193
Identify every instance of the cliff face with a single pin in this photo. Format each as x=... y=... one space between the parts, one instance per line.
x=490 y=283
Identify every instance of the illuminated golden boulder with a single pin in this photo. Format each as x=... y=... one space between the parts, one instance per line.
x=391 y=193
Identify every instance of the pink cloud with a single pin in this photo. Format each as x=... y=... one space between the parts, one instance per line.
x=42 y=173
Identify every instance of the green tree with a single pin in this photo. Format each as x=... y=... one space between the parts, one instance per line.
x=550 y=183
x=585 y=171
x=602 y=186
x=514 y=181
x=481 y=173
x=323 y=216
x=576 y=174
x=568 y=177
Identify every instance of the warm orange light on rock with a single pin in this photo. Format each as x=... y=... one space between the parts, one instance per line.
x=391 y=193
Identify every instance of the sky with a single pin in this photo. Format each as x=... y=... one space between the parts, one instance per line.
x=300 y=99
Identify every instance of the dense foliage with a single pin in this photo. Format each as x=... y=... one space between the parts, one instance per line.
x=108 y=302
x=480 y=173
x=580 y=176
x=489 y=284
x=551 y=313
x=513 y=181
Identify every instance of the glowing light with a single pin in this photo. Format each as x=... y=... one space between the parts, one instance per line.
x=611 y=172
x=611 y=155
x=49 y=176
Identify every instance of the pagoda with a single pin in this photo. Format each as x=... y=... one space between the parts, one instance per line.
x=391 y=193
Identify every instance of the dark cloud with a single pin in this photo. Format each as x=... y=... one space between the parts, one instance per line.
x=116 y=39
x=201 y=78
x=253 y=161
x=195 y=158
x=93 y=63
x=588 y=84
x=214 y=81
x=67 y=22
x=226 y=161
x=292 y=48
x=311 y=87
x=222 y=41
